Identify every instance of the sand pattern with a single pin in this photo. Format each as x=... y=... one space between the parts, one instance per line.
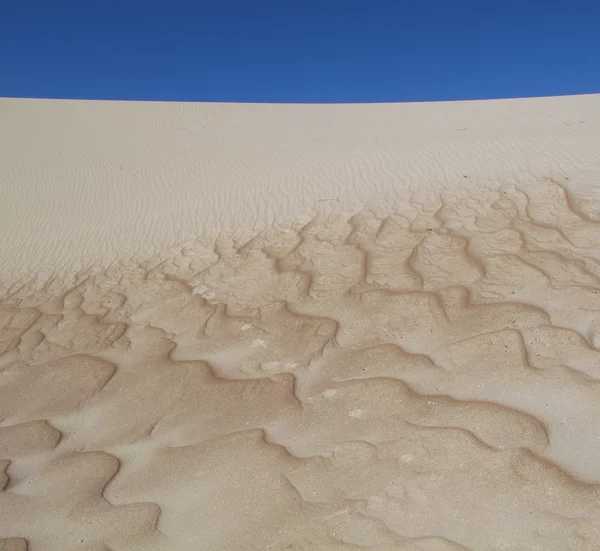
x=422 y=379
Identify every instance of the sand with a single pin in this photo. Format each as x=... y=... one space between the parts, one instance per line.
x=312 y=327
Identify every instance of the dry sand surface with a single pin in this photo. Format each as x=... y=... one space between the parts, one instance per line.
x=270 y=327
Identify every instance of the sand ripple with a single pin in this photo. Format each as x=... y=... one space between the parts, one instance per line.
x=423 y=380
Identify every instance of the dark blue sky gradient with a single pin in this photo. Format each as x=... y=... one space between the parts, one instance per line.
x=299 y=51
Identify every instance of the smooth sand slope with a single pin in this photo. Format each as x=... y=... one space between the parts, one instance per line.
x=270 y=327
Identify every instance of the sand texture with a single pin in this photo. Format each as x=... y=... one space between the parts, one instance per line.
x=279 y=327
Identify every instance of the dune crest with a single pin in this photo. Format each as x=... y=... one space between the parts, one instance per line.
x=410 y=361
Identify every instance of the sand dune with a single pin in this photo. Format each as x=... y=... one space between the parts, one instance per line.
x=271 y=327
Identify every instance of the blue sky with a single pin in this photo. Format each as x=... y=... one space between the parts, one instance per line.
x=299 y=51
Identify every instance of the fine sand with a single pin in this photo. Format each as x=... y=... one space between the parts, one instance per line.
x=236 y=327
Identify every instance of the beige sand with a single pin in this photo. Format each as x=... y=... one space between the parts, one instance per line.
x=272 y=327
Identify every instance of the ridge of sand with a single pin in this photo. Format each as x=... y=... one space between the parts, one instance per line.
x=88 y=183
x=263 y=327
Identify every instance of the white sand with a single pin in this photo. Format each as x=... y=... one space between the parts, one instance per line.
x=270 y=327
